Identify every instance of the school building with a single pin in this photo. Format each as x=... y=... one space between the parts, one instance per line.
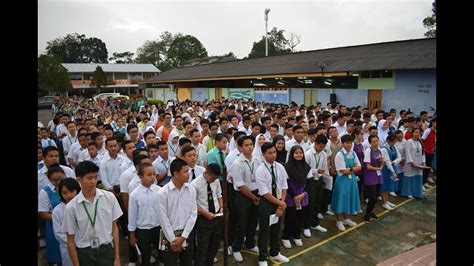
x=122 y=78
x=398 y=74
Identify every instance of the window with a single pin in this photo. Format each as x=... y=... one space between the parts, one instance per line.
x=75 y=76
x=109 y=76
x=121 y=76
x=149 y=94
x=387 y=74
x=136 y=76
x=88 y=76
x=375 y=74
x=365 y=74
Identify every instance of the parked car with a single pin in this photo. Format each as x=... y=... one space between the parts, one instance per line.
x=107 y=95
x=45 y=102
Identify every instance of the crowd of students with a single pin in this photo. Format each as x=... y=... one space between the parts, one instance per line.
x=158 y=176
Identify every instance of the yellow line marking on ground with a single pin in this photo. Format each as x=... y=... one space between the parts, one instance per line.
x=346 y=231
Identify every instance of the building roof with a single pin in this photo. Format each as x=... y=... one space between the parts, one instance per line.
x=80 y=67
x=397 y=55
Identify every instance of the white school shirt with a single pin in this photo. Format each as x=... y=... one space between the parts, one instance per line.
x=413 y=154
x=143 y=208
x=281 y=130
x=200 y=154
x=264 y=178
x=387 y=160
x=48 y=142
x=200 y=185
x=126 y=177
x=340 y=163
x=60 y=129
x=128 y=163
x=82 y=156
x=162 y=165
x=401 y=149
x=97 y=159
x=67 y=142
x=74 y=151
x=426 y=133
x=177 y=209
x=247 y=131
x=267 y=136
x=243 y=172
x=198 y=170
x=44 y=204
x=43 y=178
x=287 y=138
x=340 y=129
x=76 y=221
x=317 y=161
x=229 y=161
x=289 y=144
x=109 y=171
x=60 y=234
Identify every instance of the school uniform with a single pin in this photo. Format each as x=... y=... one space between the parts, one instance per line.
x=231 y=194
x=48 y=199
x=266 y=183
x=48 y=142
x=78 y=223
x=127 y=164
x=392 y=158
x=217 y=156
x=200 y=155
x=161 y=166
x=84 y=154
x=289 y=144
x=195 y=171
x=372 y=179
x=341 y=130
x=143 y=219
x=40 y=164
x=209 y=143
x=177 y=211
x=246 y=212
x=60 y=234
x=74 y=151
x=359 y=151
x=208 y=232
x=345 y=196
x=43 y=180
x=97 y=159
x=67 y=142
x=413 y=176
x=401 y=149
x=314 y=186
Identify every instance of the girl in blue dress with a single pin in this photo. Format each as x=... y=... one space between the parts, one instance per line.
x=415 y=163
x=345 y=196
x=389 y=171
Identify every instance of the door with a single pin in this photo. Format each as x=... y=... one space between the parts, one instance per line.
x=218 y=93
x=183 y=94
x=374 y=99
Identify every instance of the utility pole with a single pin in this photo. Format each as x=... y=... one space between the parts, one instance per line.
x=267 y=10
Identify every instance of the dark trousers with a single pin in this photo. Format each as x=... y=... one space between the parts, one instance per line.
x=208 y=237
x=314 y=188
x=183 y=258
x=265 y=209
x=247 y=218
x=429 y=161
x=294 y=222
x=122 y=220
x=372 y=192
x=360 y=185
x=231 y=209
x=132 y=252
x=102 y=256
x=145 y=238
x=326 y=199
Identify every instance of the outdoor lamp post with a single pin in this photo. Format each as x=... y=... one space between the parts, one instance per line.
x=267 y=10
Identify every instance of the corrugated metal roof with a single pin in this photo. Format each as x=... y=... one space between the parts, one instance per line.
x=80 y=67
x=398 y=55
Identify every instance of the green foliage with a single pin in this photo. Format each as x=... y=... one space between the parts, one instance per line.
x=277 y=45
x=155 y=102
x=99 y=78
x=122 y=58
x=76 y=48
x=52 y=76
x=430 y=23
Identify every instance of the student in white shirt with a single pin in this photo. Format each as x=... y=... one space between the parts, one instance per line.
x=162 y=164
x=288 y=132
x=48 y=199
x=68 y=188
x=128 y=148
x=73 y=155
x=188 y=154
x=200 y=149
x=69 y=139
x=177 y=213
x=273 y=132
x=209 y=205
x=245 y=125
x=51 y=156
x=140 y=158
x=94 y=155
x=45 y=141
x=373 y=131
x=271 y=179
x=400 y=143
x=90 y=220
x=99 y=139
x=143 y=223
x=340 y=124
x=298 y=138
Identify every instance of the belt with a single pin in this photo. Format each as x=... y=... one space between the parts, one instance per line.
x=101 y=246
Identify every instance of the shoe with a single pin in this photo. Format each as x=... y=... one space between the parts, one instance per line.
x=258 y=228
x=375 y=217
x=329 y=212
x=431 y=180
x=391 y=204
x=367 y=200
x=298 y=242
x=262 y=263
x=132 y=264
x=379 y=198
x=286 y=243
x=152 y=260
x=426 y=185
x=280 y=258
x=424 y=189
x=254 y=249
x=307 y=233
x=320 y=216
x=367 y=219
x=215 y=260
x=238 y=256
x=42 y=242
x=349 y=222
x=410 y=196
x=393 y=194
x=361 y=211
x=320 y=229
x=126 y=237
x=340 y=226
x=386 y=206
x=229 y=251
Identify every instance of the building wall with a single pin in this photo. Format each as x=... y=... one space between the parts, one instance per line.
x=297 y=95
x=347 y=97
x=199 y=94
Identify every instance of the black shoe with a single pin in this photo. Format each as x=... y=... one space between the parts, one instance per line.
x=372 y=215
x=367 y=219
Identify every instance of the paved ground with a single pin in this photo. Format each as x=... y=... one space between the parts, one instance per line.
x=412 y=224
x=425 y=255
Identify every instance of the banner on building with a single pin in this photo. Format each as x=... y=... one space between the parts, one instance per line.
x=246 y=94
x=269 y=95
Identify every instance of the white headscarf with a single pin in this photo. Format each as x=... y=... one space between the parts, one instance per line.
x=382 y=133
x=257 y=150
x=154 y=114
x=173 y=148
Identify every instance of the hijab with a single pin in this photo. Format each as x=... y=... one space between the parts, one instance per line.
x=173 y=148
x=257 y=151
x=382 y=133
x=297 y=170
x=281 y=155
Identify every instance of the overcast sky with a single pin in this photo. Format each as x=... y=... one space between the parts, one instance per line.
x=224 y=26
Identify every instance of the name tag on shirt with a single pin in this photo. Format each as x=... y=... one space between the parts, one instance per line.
x=278 y=193
x=379 y=173
x=95 y=243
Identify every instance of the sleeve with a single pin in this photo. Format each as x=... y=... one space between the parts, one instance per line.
x=70 y=154
x=103 y=176
x=237 y=174
x=219 y=190
x=307 y=158
x=339 y=162
x=261 y=181
x=387 y=160
x=43 y=202
x=59 y=234
x=324 y=165
x=123 y=182
x=367 y=155
x=193 y=215
x=399 y=157
x=132 y=212
x=408 y=155
x=163 y=216
x=284 y=180
x=356 y=160
x=116 y=210
x=426 y=134
x=70 y=222
x=65 y=145
x=211 y=158
x=69 y=172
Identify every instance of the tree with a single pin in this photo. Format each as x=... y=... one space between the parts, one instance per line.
x=52 y=76
x=122 y=58
x=76 y=48
x=293 y=41
x=99 y=78
x=185 y=48
x=430 y=23
x=277 y=44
